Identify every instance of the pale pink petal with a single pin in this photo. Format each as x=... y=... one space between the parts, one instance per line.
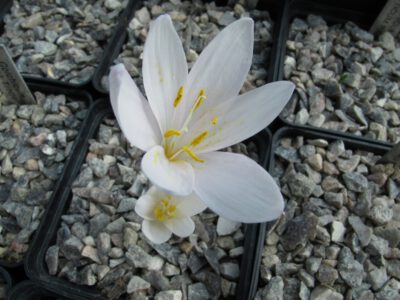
x=164 y=69
x=221 y=68
x=155 y=231
x=243 y=116
x=132 y=111
x=176 y=177
x=181 y=227
x=237 y=188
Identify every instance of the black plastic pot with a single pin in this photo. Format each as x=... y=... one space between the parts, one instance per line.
x=28 y=290
x=76 y=94
x=334 y=12
x=350 y=143
x=120 y=38
x=6 y=278
x=35 y=266
x=114 y=47
x=5 y=7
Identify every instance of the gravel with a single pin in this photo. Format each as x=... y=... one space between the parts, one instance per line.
x=100 y=243
x=346 y=79
x=61 y=40
x=339 y=237
x=197 y=23
x=35 y=141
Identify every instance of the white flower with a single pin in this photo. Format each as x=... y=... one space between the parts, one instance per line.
x=165 y=214
x=189 y=116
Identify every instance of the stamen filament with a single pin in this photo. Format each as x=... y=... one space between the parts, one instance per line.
x=179 y=96
x=199 y=100
x=192 y=154
x=197 y=140
x=172 y=132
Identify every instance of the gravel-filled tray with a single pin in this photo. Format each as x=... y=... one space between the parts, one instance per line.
x=97 y=242
x=60 y=40
x=339 y=237
x=5 y=283
x=197 y=23
x=347 y=80
x=35 y=142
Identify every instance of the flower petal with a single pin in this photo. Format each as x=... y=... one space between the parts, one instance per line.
x=243 y=116
x=191 y=205
x=221 y=68
x=237 y=188
x=174 y=177
x=155 y=231
x=164 y=69
x=146 y=203
x=132 y=111
x=181 y=227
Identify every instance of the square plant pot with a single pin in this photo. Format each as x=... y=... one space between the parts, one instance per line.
x=196 y=23
x=36 y=142
x=105 y=246
x=346 y=78
x=340 y=231
x=62 y=42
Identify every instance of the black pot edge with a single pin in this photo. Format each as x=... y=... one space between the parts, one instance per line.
x=332 y=14
x=5 y=6
x=7 y=278
x=35 y=265
x=44 y=87
x=292 y=131
x=113 y=48
x=244 y=287
x=29 y=290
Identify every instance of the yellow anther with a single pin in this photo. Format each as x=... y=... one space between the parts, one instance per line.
x=164 y=210
x=179 y=96
x=197 y=140
x=199 y=100
x=172 y=132
x=192 y=154
x=214 y=121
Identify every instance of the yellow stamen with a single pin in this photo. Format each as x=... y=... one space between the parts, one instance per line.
x=197 y=140
x=164 y=210
x=179 y=96
x=199 y=100
x=192 y=154
x=214 y=121
x=172 y=132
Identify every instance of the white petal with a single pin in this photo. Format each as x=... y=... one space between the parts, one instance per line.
x=155 y=231
x=190 y=205
x=175 y=177
x=181 y=227
x=146 y=203
x=132 y=111
x=243 y=116
x=164 y=69
x=221 y=68
x=237 y=188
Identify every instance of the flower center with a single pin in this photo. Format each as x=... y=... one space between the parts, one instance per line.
x=171 y=133
x=164 y=210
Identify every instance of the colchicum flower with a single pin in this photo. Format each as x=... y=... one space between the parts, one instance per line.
x=164 y=214
x=189 y=116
